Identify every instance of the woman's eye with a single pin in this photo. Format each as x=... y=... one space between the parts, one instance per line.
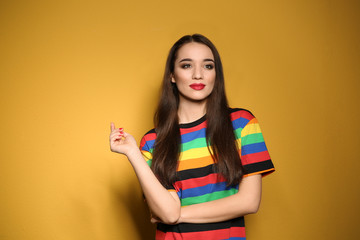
x=209 y=66
x=186 y=66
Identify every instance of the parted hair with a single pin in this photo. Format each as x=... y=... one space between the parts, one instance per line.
x=220 y=136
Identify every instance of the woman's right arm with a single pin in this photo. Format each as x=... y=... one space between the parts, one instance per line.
x=164 y=204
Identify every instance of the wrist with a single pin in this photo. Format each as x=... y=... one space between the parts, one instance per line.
x=133 y=153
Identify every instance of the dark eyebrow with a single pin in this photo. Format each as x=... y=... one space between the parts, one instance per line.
x=209 y=60
x=185 y=60
x=189 y=60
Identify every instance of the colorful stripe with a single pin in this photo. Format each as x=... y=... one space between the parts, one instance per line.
x=212 y=234
x=198 y=183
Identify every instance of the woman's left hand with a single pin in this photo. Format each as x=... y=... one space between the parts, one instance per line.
x=155 y=220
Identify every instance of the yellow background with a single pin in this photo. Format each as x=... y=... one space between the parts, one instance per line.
x=68 y=68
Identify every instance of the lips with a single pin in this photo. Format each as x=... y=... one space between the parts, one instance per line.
x=197 y=86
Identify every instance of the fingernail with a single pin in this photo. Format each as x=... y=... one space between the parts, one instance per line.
x=121 y=129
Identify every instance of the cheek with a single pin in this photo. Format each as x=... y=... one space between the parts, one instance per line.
x=181 y=77
x=212 y=82
x=212 y=78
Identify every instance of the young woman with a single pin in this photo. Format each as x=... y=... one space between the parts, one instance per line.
x=206 y=159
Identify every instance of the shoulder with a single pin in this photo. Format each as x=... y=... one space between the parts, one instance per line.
x=152 y=131
x=148 y=140
x=238 y=113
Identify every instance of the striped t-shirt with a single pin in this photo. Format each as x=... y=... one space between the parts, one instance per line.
x=197 y=182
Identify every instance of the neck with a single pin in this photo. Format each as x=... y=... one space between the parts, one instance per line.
x=190 y=111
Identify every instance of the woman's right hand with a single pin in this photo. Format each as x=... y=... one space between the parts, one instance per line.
x=164 y=204
x=121 y=142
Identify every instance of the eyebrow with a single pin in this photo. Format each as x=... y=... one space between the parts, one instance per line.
x=189 y=60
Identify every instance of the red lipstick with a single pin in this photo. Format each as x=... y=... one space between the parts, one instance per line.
x=197 y=86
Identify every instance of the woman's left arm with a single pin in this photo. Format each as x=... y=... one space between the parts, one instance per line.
x=246 y=201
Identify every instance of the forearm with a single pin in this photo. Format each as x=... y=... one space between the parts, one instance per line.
x=160 y=201
x=246 y=201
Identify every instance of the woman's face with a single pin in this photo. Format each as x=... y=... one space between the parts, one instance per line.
x=194 y=72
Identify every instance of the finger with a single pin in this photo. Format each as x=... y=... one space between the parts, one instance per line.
x=154 y=220
x=117 y=131
x=115 y=140
x=112 y=126
x=116 y=135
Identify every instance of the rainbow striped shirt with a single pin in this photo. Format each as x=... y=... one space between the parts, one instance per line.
x=197 y=182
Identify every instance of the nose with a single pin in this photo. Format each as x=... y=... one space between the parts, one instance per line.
x=197 y=73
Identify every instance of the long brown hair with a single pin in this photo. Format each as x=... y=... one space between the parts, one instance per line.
x=219 y=132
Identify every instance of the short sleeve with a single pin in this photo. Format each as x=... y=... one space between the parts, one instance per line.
x=254 y=153
x=147 y=147
x=146 y=151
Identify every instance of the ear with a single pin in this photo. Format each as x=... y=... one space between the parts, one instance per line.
x=172 y=78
